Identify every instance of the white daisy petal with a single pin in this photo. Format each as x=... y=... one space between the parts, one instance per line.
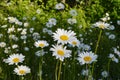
x=22 y=70
x=87 y=57
x=60 y=52
x=63 y=36
x=14 y=59
x=41 y=43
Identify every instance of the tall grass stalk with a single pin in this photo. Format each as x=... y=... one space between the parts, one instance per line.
x=56 y=70
x=109 y=66
x=73 y=66
x=22 y=78
x=96 y=48
x=59 y=70
x=40 y=66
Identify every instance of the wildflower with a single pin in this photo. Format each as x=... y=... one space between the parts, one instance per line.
x=75 y=42
x=6 y=50
x=1 y=35
x=23 y=37
x=39 y=53
x=104 y=74
x=33 y=18
x=111 y=36
x=73 y=12
x=14 y=59
x=102 y=25
x=24 y=31
x=12 y=29
x=12 y=19
x=36 y=35
x=87 y=57
x=59 y=6
x=113 y=58
x=63 y=36
x=48 y=24
x=2 y=44
x=118 y=22
x=19 y=29
x=116 y=51
x=60 y=52
x=4 y=26
x=19 y=23
x=85 y=72
x=86 y=47
x=49 y=32
x=52 y=21
x=22 y=70
x=41 y=43
x=26 y=24
x=38 y=11
x=31 y=30
x=14 y=46
x=71 y=21
x=111 y=27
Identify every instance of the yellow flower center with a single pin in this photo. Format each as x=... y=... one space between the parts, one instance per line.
x=101 y=26
x=60 y=52
x=74 y=42
x=15 y=60
x=41 y=45
x=22 y=71
x=87 y=58
x=64 y=37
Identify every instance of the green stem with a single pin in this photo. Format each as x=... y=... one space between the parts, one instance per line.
x=21 y=78
x=73 y=74
x=40 y=66
x=109 y=66
x=59 y=70
x=56 y=70
x=100 y=34
x=86 y=77
x=96 y=48
x=65 y=67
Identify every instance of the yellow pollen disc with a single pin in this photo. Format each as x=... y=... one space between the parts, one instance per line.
x=87 y=58
x=74 y=42
x=41 y=45
x=60 y=52
x=101 y=26
x=15 y=60
x=64 y=37
x=22 y=71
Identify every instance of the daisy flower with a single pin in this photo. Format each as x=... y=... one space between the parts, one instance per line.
x=118 y=22
x=52 y=21
x=14 y=59
x=63 y=36
x=48 y=24
x=75 y=42
x=102 y=25
x=59 y=6
x=41 y=43
x=73 y=12
x=71 y=21
x=113 y=58
x=104 y=74
x=22 y=70
x=60 y=52
x=2 y=44
x=87 y=57
x=85 y=72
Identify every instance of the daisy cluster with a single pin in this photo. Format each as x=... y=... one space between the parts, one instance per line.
x=58 y=34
